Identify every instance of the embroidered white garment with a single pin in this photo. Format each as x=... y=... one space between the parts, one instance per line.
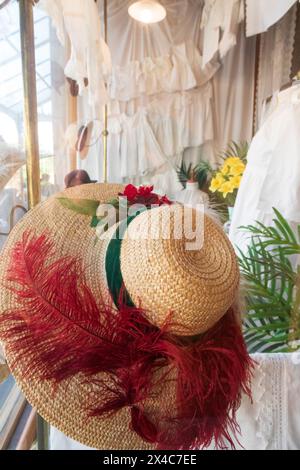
x=261 y=14
x=271 y=422
x=220 y=22
x=272 y=176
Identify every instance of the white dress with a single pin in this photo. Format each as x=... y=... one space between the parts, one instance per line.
x=272 y=176
x=140 y=151
x=262 y=14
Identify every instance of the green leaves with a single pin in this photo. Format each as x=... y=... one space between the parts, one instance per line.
x=200 y=173
x=236 y=149
x=272 y=283
x=80 y=206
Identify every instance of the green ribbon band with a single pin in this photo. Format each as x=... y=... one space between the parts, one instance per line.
x=113 y=265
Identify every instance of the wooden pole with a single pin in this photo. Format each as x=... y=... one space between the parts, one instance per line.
x=105 y=114
x=30 y=102
x=31 y=135
x=72 y=118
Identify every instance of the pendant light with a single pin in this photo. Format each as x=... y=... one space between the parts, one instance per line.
x=147 y=11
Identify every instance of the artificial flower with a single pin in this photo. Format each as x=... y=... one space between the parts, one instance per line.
x=236 y=181
x=130 y=192
x=145 y=190
x=216 y=183
x=232 y=161
x=226 y=188
x=238 y=169
x=164 y=200
x=225 y=169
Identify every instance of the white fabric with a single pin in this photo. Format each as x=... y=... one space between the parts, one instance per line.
x=271 y=422
x=90 y=56
x=179 y=70
x=272 y=176
x=275 y=59
x=261 y=14
x=220 y=22
x=233 y=97
x=192 y=196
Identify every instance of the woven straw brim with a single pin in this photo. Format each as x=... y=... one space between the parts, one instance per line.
x=198 y=286
x=66 y=406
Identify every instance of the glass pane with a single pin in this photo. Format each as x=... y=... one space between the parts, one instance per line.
x=13 y=200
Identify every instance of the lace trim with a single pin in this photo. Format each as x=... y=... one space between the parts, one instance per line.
x=270 y=402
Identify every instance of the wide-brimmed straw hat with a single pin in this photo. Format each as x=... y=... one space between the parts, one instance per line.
x=123 y=342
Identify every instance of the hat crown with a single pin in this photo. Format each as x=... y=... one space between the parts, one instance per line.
x=178 y=262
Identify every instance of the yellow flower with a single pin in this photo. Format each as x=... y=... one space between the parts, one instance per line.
x=225 y=169
x=236 y=181
x=232 y=161
x=238 y=169
x=226 y=188
x=216 y=183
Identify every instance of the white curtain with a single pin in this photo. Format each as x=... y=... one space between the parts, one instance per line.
x=275 y=59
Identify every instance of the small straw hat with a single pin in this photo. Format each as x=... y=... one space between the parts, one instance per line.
x=130 y=343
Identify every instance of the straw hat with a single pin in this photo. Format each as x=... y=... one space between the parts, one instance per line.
x=122 y=376
x=78 y=139
x=84 y=138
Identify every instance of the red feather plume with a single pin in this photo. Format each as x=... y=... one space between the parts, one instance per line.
x=70 y=332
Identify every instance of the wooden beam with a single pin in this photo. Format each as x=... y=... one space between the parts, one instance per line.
x=30 y=102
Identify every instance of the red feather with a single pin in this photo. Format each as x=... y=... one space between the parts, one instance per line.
x=58 y=318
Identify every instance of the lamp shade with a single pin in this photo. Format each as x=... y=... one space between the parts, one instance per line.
x=147 y=11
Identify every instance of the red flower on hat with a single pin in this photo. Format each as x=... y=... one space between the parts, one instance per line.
x=145 y=191
x=130 y=192
x=144 y=195
x=164 y=200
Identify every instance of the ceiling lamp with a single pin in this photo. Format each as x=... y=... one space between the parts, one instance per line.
x=147 y=11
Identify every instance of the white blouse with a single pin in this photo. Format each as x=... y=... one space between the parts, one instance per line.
x=272 y=176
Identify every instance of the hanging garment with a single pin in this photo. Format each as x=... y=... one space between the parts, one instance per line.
x=179 y=70
x=182 y=120
x=90 y=57
x=261 y=14
x=140 y=151
x=196 y=122
x=272 y=176
x=220 y=21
